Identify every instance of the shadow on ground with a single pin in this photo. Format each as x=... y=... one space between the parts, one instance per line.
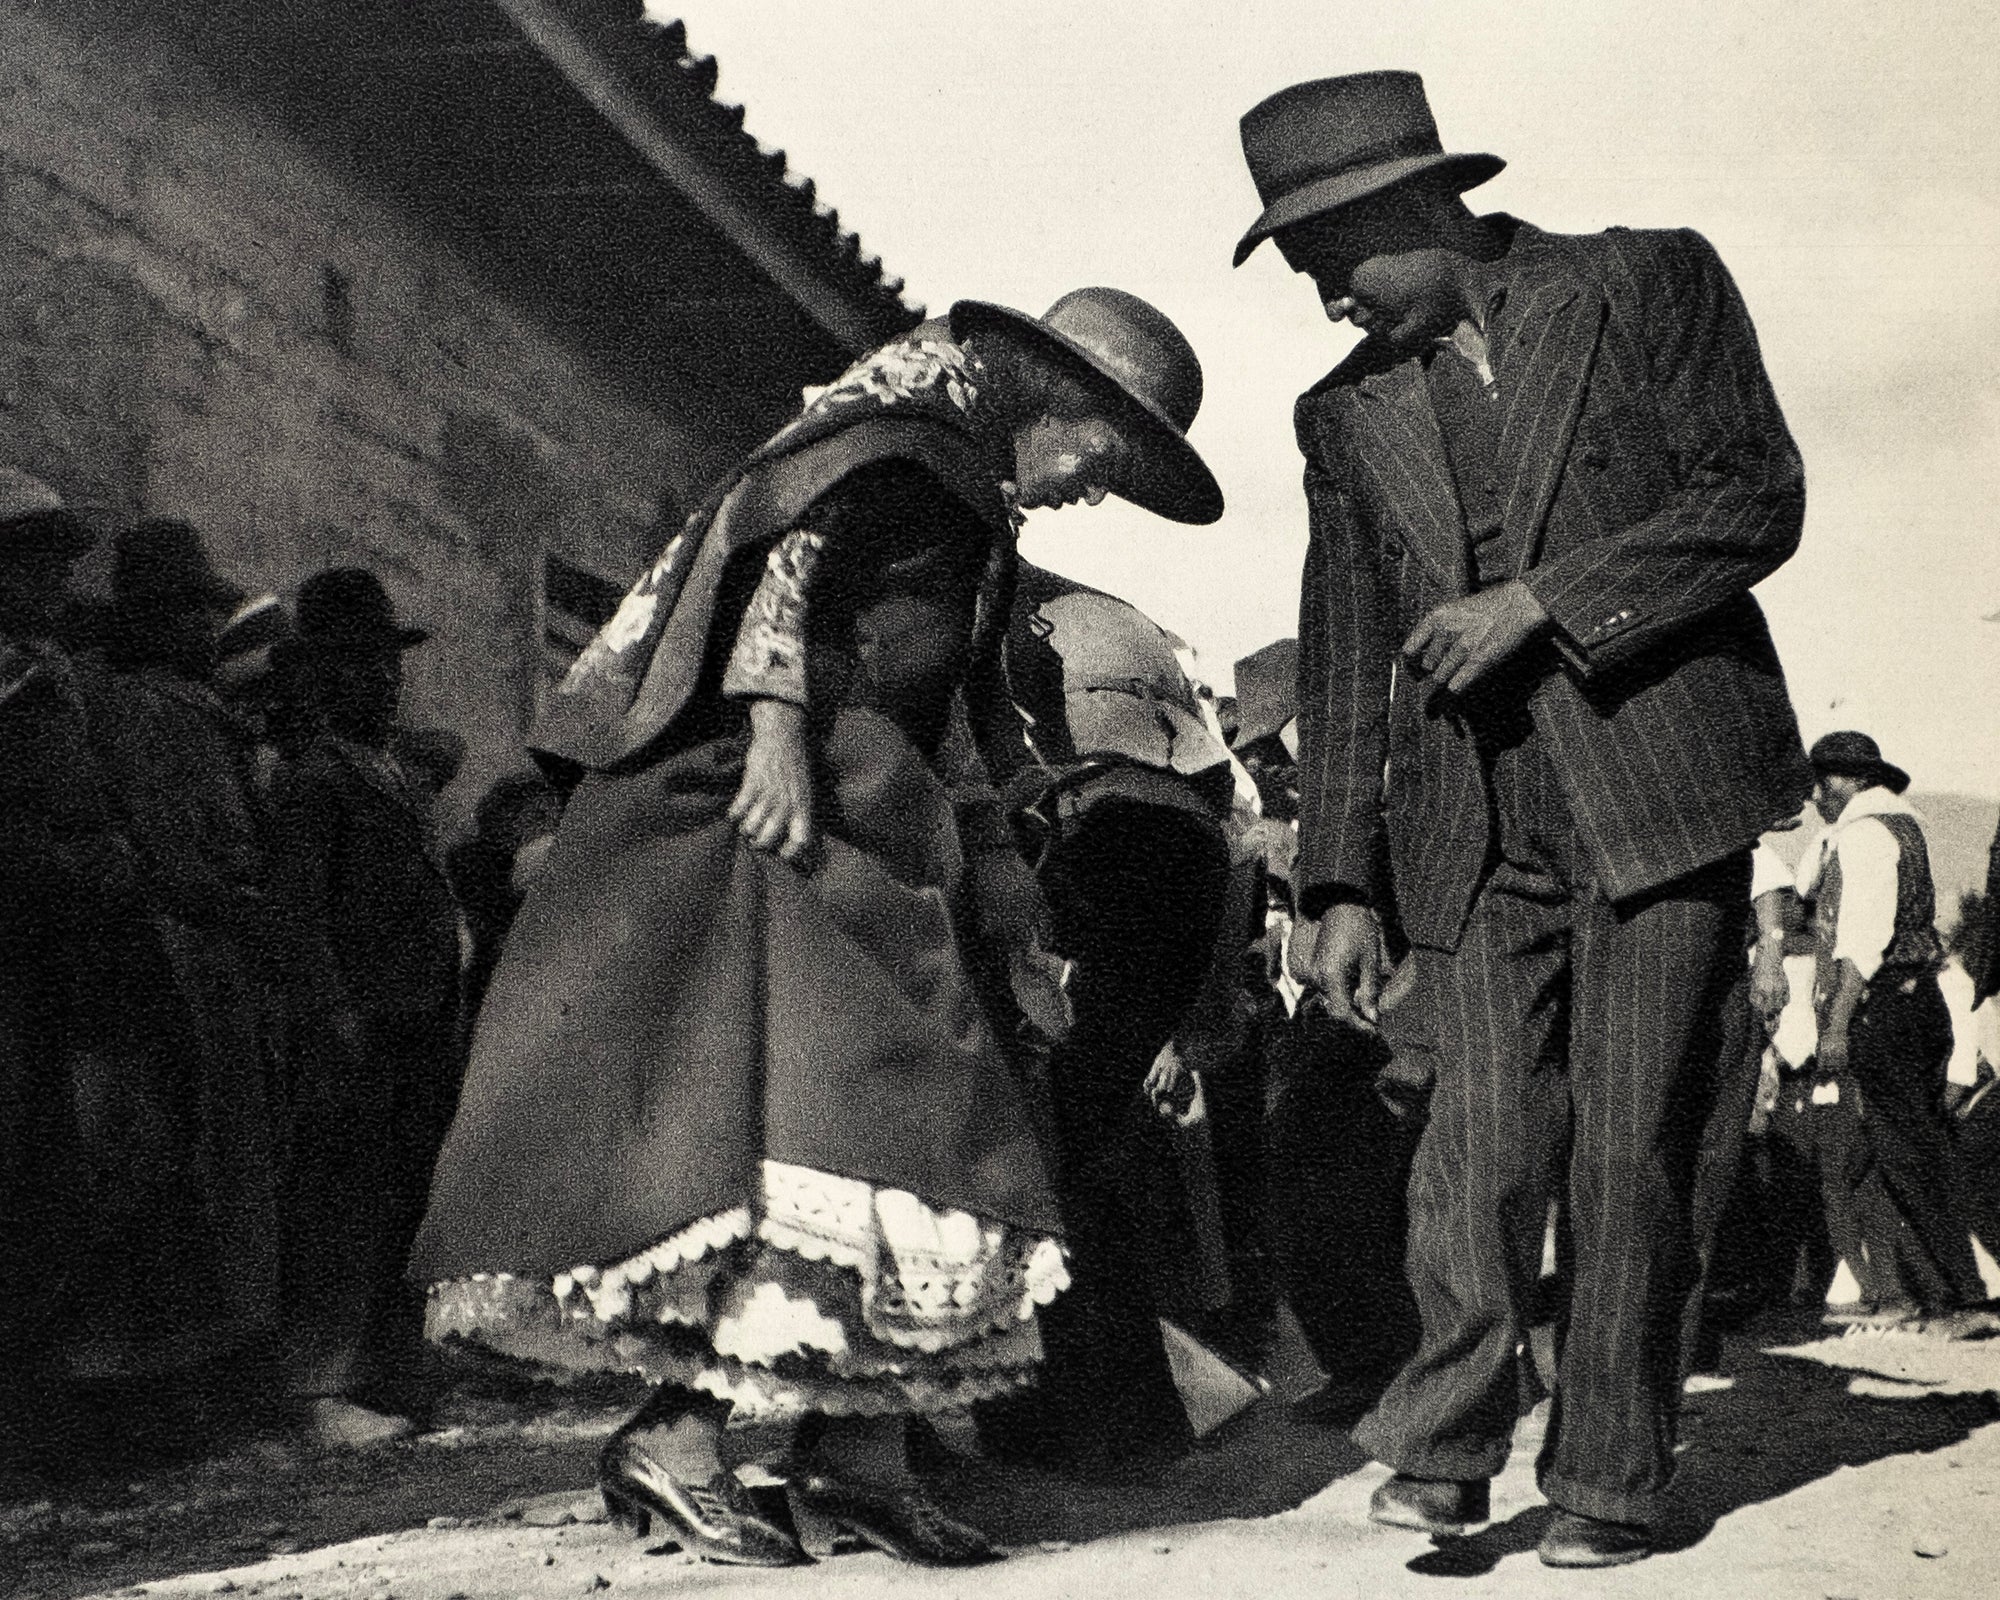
x=1263 y=1462
x=1785 y=1420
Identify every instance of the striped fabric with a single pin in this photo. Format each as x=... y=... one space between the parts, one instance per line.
x=1567 y=1036
x=1648 y=481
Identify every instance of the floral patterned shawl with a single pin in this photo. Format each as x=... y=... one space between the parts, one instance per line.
x=917 y=398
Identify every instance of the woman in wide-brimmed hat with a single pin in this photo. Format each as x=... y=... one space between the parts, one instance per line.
x=738 y=1115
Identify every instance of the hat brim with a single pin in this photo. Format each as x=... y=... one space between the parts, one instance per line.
x=1316 y=199
x=1886 y=773
x=1172 y=480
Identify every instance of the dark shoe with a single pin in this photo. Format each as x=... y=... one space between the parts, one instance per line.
x=714 y=1520
x=898 y=1522
x=1430 y=1505
x=1578 y=1541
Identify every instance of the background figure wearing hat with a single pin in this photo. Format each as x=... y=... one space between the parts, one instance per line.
x=1541 y=489
x=183 y=1156
x=1884 y=1030
x=69 y=910
x=1118 y=790
x=372 y=931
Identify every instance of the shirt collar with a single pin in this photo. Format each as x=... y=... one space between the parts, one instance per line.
x=1872 y=802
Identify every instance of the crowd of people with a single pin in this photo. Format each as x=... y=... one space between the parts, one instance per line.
x=238 y=961
x=898 y=985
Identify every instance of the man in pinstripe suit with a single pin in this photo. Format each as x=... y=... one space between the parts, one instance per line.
x=1542 y=725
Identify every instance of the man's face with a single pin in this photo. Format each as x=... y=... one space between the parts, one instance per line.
x=366 y=691
x=1375 y=263
x=1832 y=791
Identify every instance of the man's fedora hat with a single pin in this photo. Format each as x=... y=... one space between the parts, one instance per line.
x=1855 y=755
x=35 y=520
x=1130 y=352
x=1318 y=146
x=346 y=611
x=161 y=564
x=1267 y=692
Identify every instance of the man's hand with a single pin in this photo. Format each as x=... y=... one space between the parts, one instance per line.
x=1463 y=640
x=1770 y=989
x=1344 y=961
x=773 y=808
x=1170 y=1084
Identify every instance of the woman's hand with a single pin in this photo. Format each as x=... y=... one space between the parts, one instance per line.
x=773 y=809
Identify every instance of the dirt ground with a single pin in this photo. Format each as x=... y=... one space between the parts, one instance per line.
x=1865 y=1467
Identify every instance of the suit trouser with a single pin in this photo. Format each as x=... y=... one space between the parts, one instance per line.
x=1575 y=1049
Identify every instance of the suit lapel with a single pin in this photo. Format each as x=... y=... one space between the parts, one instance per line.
x=1542 y=358
x=1399 y=442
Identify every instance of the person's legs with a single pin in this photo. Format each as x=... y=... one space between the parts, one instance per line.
x=1478 y=1193
x=1917 y=1238
x=1135 y=894
x=1649 y=985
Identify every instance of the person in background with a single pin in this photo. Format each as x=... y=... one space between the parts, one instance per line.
x=372 y=930
x=1885 y=1033
x=1808 y=1130
x=187 y=1158
x=70 y=908
x=1118 y=791
x=432 y=757
x=516 y=811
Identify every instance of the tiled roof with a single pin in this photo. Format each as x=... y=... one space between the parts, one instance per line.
x=680 y=87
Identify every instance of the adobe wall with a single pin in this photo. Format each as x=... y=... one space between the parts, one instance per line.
x=201 y=318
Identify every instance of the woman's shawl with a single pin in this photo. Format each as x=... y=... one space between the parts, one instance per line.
x=914 y=399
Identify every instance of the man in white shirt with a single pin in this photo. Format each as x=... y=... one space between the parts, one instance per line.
x=1884 y=1030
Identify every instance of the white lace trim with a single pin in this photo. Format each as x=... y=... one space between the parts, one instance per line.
x=609 y=1289
x=930 y=1278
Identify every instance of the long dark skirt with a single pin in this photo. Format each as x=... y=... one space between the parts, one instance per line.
x=711 y=1092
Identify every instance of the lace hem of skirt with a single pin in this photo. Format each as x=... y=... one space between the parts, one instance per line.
x=835 y=1296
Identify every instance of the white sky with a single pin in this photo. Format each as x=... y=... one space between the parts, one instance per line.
x=1841 y=155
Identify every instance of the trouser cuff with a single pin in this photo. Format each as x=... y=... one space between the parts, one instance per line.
x=1464 y=1461
x=1638 y=1506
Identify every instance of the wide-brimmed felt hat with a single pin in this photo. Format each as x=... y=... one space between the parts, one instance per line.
x=1855 y=755
x=345 y=610
x=1267 y=692
x=1130 y=352
x=162 y=565
x=35 y=520
x=1318 y=146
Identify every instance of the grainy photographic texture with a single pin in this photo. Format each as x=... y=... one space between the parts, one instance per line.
x=1006 y=800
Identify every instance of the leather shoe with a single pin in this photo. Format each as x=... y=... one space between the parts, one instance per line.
x=1579 y=1541
x=1429 y=1505
x=714 y=1520
x=899 y=1522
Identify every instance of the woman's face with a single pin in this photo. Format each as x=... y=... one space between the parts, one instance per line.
x=1060 y=459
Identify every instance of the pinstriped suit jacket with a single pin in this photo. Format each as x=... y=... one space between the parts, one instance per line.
x=1648 y=481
